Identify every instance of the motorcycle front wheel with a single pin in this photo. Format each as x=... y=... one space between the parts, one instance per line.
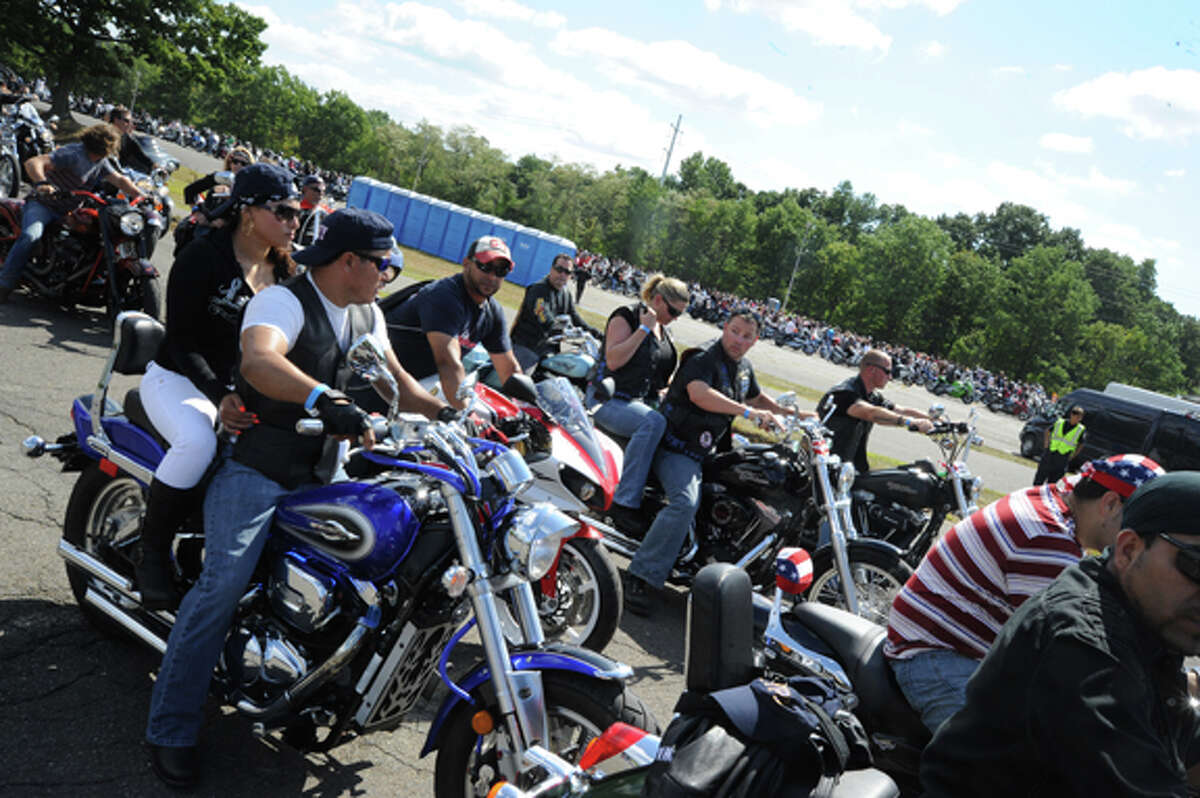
x=587 y=602
x=578 y=708
x=10 y=175
x=878 y=577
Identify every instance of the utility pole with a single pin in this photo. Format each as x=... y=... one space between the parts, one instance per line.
x=671 y=149
x=799 y=254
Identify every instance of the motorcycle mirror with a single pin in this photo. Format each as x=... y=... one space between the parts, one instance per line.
x=936 y=409
x=366 y=357
x=605 y=389
x=520 y=386
x=467 y=386
x=223 y=178
x=787 y=399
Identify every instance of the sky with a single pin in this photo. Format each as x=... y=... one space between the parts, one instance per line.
x=1087 y=111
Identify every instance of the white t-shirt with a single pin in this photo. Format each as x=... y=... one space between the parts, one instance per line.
x=279 y=308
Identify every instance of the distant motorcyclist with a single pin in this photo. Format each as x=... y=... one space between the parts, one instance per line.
x=857 y=405
x=131 y=155
x=312 y=210
x=69 y=168
x=543 y=303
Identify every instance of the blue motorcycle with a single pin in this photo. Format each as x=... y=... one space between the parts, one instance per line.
x=364 y=587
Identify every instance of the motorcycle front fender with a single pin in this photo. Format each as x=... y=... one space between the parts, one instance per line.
x=549 y=657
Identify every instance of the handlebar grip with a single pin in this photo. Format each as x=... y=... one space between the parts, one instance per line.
x=310 y=427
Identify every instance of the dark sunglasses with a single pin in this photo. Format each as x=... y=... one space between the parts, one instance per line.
x=562 y=270
x=284 y=213
x=498 y=267
x=1187 y=560
x=238 y=162
x=318 y=189
x=382 y=263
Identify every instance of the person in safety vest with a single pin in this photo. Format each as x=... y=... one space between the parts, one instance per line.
x=1063 y=439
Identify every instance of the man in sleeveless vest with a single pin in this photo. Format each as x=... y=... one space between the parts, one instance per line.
x=708 y=391
x=293 y=338
x=1063 y=440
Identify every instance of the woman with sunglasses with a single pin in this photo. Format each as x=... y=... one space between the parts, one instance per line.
x=640 y=357
x=236 y=159
x=188 y=385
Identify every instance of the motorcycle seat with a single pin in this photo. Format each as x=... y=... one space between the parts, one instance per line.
x=866 y=783
x=138 y=337
x=135 y=411
x=858 y=644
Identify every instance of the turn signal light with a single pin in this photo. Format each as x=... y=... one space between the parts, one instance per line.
x=482 y=723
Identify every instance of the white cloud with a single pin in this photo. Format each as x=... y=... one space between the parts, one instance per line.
x=1062 y=142
x=908 y=128
x=1175 y=172
x=932 y=51
x=1156 y=103
x=1009 y=70
x=680 y=70
x=510 y=9
x=1063 y=67
x=1098 y=182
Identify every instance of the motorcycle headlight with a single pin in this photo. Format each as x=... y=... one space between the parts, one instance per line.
x=534 y=536
x=131 y=223
x=845 y=478
x=511 y=472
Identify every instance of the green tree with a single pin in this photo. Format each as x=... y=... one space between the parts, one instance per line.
x=1011 y=231
x=904 y=260
x=961 y=301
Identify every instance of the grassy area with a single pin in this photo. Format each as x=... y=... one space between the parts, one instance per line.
x=176 y=183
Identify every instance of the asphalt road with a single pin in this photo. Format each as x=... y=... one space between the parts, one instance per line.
x=74 y=701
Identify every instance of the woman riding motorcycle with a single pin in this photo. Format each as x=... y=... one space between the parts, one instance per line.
x=188 y=384
x=640 y=357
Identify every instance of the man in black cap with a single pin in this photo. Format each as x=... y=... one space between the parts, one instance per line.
x=1083 y=692
x=293 y=338
x=433 y=329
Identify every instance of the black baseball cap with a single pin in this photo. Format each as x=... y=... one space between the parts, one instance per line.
x=259 y=183
x=347 y=230
x=1170 y=503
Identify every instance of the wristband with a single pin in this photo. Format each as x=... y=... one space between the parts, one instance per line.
x=746 y=413
x=314 y=395
x=645 y=329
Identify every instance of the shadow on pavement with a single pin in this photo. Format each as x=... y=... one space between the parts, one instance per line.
x=67 y=328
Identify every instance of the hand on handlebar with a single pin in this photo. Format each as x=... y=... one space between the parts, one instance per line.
x=922 y=425
x=344 y=419
x=764 y=419
x=46 y=189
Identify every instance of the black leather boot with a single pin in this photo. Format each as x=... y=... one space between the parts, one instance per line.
x=166 y=509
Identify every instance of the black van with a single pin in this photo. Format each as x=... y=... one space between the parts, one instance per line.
x=1116 y=426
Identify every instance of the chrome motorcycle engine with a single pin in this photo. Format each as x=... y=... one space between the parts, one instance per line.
x=301 y=595
x=262 y=657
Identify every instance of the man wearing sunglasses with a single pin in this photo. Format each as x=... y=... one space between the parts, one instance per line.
x=1083 y=692
x=434 y=328
x=544 y=302
x=857 y=405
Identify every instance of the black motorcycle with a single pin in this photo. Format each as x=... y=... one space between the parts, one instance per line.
x=97 y=255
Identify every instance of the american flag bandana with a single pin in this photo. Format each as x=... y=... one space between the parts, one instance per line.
x=1123 y=473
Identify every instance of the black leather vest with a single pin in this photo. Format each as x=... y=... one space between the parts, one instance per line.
x=272 y=446
x=638 y=378
x=696 y=432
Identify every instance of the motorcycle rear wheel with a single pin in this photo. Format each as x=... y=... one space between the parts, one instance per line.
x=588 y=597
x=10 y=175
x=878 y=577
x=104 y=518
x=579 y=709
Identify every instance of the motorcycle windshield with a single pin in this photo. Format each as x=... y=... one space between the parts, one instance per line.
x=558 y=400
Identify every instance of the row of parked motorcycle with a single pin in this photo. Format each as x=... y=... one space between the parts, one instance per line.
x=495 y=521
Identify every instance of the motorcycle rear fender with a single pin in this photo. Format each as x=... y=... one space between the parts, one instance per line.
x=550 y=657
x=132 y=440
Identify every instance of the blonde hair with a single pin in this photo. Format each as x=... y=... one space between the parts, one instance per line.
x=238 y=151
x=668 y=288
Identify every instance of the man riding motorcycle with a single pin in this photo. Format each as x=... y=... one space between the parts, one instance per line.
x=708 y=391
x=544 y=302
x=294 y=337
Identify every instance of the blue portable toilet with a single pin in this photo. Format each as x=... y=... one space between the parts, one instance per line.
x=526 y=269
x=357 y=196
x=454 y=242
x=378 y=196
x=435 y=226
x=397 y=207
x=551 y=245
x=507 y=231
x=480 y=225
x=414 y=221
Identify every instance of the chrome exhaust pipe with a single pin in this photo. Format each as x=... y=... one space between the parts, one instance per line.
x=757 y=551
x=86 y=562
x=128 y=623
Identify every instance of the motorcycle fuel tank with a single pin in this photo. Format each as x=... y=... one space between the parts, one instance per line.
x=907 y=486
x=568 y=364
x=368 y=527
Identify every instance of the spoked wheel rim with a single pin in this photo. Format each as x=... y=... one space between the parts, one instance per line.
x=569 y=732
x=874 y=586
x=572 y=614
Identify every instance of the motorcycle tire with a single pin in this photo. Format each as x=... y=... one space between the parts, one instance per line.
x=10 y=175
x=579 y=709
x=1029 y=447
x=588 y=596
x=878 y=577
x=152 y=297
x=104 y=518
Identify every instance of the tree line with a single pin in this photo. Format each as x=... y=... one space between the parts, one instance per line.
x=1002 y=289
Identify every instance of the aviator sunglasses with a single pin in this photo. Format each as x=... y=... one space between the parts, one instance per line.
x=498 y=267
x=562 y=270
x=1187 y=560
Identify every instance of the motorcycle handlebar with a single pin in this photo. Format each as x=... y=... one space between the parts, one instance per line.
x=312 y=427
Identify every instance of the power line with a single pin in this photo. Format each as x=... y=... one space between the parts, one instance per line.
x=671 y=149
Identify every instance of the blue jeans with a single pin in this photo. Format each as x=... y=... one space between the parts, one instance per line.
x=680 y=476
x=237 y=514
x=935 y=683
x=34 y=219
x=644 y=426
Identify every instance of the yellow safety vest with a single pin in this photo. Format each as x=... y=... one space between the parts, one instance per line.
x=1065 y=444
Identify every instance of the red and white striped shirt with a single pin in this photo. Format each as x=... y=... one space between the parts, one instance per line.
x=981 y=571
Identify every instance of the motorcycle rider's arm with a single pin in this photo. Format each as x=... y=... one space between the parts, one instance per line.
x=124 y=184
x=37 y=168
x=621 y=340
x=505 y=364
x=865 y=411
x=764 y=402
x=266 y=367
x=706 y=397
x=447 y=356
